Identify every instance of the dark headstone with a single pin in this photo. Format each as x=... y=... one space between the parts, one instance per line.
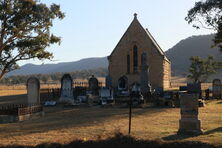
x=183 y=88
x=144 y=76
x=194 y=88
x=94 y=85
x=108 y=82
x=217 y=89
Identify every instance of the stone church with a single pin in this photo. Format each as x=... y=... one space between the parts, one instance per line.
x=125 y=60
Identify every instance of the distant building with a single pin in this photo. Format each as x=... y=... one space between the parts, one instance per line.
x=125 y=60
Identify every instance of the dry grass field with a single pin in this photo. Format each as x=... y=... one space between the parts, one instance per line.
x=21 y=89
x=64 y=124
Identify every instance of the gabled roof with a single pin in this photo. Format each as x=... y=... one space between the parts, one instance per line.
x=134 y=22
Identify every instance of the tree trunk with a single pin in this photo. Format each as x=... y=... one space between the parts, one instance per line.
x=2 y=74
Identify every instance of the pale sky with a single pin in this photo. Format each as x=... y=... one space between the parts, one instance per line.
x=92 y=28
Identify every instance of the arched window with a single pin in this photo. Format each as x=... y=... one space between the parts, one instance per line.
x=122 y=83
x=128 y=63
x=135 y=59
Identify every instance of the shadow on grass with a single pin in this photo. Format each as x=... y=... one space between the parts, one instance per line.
x=13 y=99
x=178 y=137
x=219 y=102
x=120 y=141
x=57 y=118
x=219 y=129
x=182 y=137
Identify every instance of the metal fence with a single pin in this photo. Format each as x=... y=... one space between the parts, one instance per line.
x=20 y=109
x=30 y=110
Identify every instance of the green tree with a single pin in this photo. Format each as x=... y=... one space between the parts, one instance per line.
x=25 y=31
x=201 y=69
x=208 y=14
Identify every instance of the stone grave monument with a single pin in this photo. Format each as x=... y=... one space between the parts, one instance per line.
x=217 y=89
x=189 y=123
x=66 y=89
x=144 y=77
x=108 y=82
x=94 y=85
x=33 y=91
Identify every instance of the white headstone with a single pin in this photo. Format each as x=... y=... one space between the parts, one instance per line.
x=33 y=87
x=66 y=89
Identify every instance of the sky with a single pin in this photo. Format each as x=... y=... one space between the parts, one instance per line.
x=92 y=28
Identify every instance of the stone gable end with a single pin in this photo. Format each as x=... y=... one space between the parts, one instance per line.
x=121 y=60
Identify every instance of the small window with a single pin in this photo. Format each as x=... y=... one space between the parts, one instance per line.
x=128 y=64
x=135 y=59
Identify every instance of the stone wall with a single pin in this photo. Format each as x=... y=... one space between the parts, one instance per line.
x=167 y=74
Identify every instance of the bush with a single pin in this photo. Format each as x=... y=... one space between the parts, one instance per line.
x=120 y=141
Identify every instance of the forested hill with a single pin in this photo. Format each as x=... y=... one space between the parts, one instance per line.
x=179 y=56
x=83 y=64
x=192 y=46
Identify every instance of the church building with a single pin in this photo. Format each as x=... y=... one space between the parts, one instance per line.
x=125 y=61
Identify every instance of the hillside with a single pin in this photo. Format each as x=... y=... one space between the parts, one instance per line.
x=178 y=54
x=192 y=46
x=84 y=64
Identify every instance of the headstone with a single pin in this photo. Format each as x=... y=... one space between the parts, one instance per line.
x=135 y=95
x=183 y=88
x=94 y=85
x=33 y=91
x=66 y=89
x=136 y=87
x=194 y=88
x=217 y=89
x=144 y=76
x=108 y=82
x=189 y=123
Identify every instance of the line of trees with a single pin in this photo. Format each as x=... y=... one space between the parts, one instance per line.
x=54 y=77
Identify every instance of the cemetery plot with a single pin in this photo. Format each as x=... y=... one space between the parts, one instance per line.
x=21 y=112
x=66 y=124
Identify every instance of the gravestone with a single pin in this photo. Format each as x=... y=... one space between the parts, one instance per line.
x=108 y=82
x=194 y=88
x=189 y=123
x=66 y=89
x=144 y=76
x=217 y=89
x=33 y=91
x=94 y=85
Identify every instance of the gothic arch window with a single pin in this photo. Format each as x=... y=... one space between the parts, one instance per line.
x=135 y=59
x=122 y=83
x=128 y=63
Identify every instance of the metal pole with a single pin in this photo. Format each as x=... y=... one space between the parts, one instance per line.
x=130 y=114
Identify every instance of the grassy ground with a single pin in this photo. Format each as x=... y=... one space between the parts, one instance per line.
x=64 y=124
x=21 y=89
